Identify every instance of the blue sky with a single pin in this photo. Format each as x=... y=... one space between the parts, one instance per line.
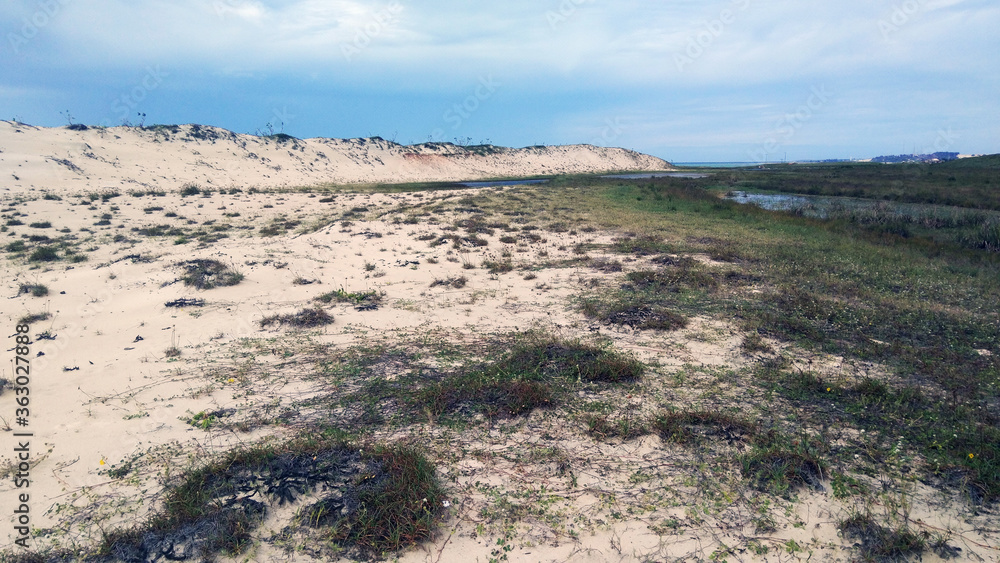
x=685 y=80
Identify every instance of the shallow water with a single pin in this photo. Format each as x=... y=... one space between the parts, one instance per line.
x=656 y=175
x=500 y=183
x=823 y=207
x=773 y=202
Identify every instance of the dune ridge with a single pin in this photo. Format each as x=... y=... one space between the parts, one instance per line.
x=171 y=156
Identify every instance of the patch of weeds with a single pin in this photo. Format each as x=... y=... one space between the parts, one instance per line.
x=44 y=254
x=642 y=317
x=687 y=427
x=209 y=274
x=172 y=352
x=673 y=279
x=16 y=246
x=475 y=225
x=368 y=300
x=392 y=504
x=845 y=486
x=306 y=318
x=498 y=267
x=190 y=190
x=456 y=283
x=279 y=226
x=34 y=318
x=640 y=246
x=948 y=432
x=778 y=465
x=158 y=231
x=528 y=376
x=879 y=543
x=606 y=265
x=753 y=343
x=373 y=500
x=206 y=419
x=624 y=427
x=35 y=289
x=41 y=225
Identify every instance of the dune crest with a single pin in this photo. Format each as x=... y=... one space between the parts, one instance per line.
x=171 y=156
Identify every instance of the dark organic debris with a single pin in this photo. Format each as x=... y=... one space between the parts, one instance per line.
x=306 y=318
x=643 y=317
x=185 y=302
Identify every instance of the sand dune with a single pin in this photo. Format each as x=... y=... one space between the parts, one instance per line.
x=167 y=157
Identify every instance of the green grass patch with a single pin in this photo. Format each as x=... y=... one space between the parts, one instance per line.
x=530 y=375
x=370 y=299
x=925 y=309
x=44 y=254
x=35 y=289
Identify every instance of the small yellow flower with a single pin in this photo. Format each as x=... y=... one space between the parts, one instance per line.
x=102 y=462
x=972 y=456
x=828 y=389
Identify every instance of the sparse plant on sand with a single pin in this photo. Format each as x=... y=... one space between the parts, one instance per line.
x=209 y=274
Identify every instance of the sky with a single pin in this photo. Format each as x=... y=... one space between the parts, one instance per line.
x=684 y=80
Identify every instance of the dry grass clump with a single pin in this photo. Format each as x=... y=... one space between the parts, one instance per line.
x=456 y=283
x=209 y=274
x=306 y=318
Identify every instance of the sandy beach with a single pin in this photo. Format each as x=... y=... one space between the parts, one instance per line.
x=138 y=375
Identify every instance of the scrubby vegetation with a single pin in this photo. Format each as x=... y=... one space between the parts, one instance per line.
x=209 y=274
x=306 y=318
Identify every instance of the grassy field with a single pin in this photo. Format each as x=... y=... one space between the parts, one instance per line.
x=924 y=308
x=972 y=183
x=909 y=307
